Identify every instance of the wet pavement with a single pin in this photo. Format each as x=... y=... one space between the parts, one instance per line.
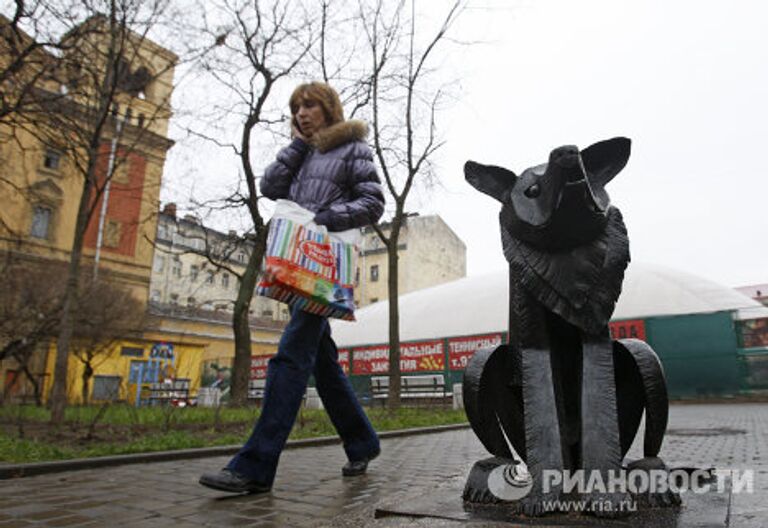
x=310 y=490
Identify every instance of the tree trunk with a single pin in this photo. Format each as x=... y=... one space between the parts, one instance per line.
x=87 y=374
x=58 y=400
x=241 y=366
x=393 y=400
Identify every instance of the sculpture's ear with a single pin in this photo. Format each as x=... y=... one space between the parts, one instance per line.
x=494 y=181
x=605 y=159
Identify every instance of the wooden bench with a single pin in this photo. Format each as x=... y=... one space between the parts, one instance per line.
x=256 y=389
x=417 y=388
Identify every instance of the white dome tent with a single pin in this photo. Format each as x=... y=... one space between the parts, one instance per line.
x=691 y=322
x=480 y=304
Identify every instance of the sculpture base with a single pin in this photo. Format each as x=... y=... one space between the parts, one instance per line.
x=698 y=510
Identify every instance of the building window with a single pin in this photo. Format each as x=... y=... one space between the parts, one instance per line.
x=132 y=351
x=176 y=270
x=174 y=299
x=155 y=297
x=52 y=159
x=374 y=273
x=41 y=221
x=241 y=257
x=209 y=277
x=120 y=171
x=191 y=302
x=106 y=388
x=159 y=263
x=112 y=233
x=194 y=271
x=225 y=280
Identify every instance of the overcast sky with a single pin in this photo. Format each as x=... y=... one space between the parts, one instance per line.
x=687 y=81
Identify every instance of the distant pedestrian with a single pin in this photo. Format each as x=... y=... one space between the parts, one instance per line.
x=327 y=168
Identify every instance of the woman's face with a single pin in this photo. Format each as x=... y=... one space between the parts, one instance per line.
x=310 y=117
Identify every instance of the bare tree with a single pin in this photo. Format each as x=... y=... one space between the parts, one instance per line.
x=106 y=313
x=28 y=47
x=101 y=66
x=404 y=103
x=260 y=44
x=31 y=314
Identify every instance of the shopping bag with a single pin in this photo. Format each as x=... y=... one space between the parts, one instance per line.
x=308 y=267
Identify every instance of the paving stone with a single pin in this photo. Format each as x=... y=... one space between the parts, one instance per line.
x=310 y=491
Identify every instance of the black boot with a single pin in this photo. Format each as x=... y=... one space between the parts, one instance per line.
x=233 y=482
x=354 y=468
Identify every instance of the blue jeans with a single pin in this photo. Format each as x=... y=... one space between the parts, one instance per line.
x=305 y=348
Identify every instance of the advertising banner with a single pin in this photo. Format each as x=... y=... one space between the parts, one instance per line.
x=460 y=349
x=371 y=360
x=419 y=357
x=624 y=329
x=259 y=367
x=344 y=359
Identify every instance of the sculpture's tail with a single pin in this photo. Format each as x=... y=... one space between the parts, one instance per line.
x=640 y=385
x=493 y=400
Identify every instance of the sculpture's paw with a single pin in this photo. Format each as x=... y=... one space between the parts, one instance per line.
x=538 y=504
x=610 y=505
x=479 y=495
x=662 y=499
x=654 y=499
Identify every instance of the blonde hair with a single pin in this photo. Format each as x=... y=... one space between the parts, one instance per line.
x=323 y=95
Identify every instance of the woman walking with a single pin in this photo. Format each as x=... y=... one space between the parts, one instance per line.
x=328 y=169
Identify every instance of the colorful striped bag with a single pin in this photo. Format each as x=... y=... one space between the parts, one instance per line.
x=308 y=267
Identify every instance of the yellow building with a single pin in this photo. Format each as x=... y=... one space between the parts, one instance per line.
x=44 y=166
x=429 y=252
x=128 y=367
x=41 y=184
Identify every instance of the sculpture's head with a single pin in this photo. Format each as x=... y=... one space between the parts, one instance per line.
x=559 y=204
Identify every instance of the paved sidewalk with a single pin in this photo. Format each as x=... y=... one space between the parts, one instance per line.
x=310 y=490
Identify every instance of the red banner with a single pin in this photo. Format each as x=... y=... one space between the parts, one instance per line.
x=344 y=359
x=259 y=366
x=418 y=357
x=624 y=329
x=460 y=349
x=371 y=360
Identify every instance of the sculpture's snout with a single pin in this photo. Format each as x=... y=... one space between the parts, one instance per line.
x=566 y=157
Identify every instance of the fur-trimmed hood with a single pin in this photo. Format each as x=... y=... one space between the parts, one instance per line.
x=332 y=175
x=335 y=135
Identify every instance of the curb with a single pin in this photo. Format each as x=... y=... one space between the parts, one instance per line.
x=8 y=471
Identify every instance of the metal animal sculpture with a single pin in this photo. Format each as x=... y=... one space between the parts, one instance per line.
x=562 y=393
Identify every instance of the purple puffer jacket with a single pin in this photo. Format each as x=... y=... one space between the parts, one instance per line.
x=334 y=177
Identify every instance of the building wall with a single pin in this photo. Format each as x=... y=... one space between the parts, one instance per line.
x=126 y=251
x=215 y=336
x=182 y=275
x=187 y=364
x=430 y=253
x=698 y=352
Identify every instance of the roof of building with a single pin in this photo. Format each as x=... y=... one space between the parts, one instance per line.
x=479 y=304
x=756 y=291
